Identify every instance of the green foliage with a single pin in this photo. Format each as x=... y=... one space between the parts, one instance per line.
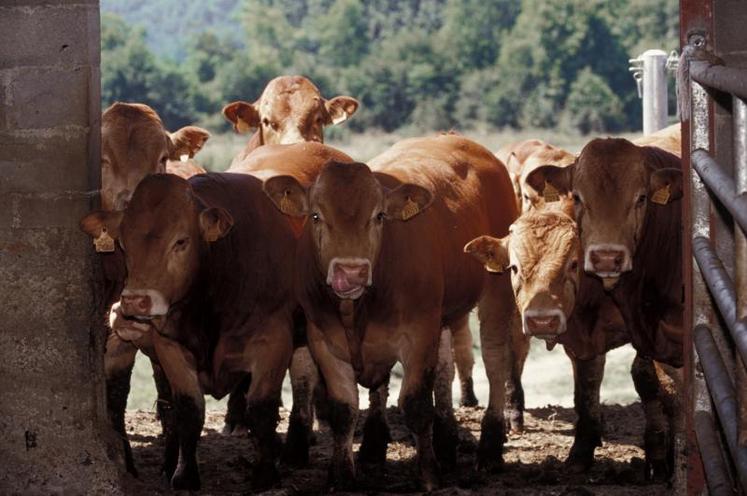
x=431 y=64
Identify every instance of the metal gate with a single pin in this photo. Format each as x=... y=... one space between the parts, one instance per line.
x=713 y=84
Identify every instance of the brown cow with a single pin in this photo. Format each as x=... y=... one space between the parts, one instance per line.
x=290 y=110
x=380 y=271
x=134 y=143
x=630 y=231
x=669 y=139
x=210 y=267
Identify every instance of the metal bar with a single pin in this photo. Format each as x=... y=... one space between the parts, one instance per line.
x=739 y=131
x=723 y=395
x=721 y=185
x=717 y=474
x=654 y=90
x=727 y=79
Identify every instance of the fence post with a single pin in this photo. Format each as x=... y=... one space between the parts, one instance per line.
x=650 y=73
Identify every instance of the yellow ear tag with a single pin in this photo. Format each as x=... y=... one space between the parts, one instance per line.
x=661 y=195
x=242 y=126
x=550 y=194
x=286 y=205
x=410 y=209
x=104 y=243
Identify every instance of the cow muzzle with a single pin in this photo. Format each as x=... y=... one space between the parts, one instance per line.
x=126 y=328
x=544 y=324
x=608 y=261
x=143 y=304
x=349 y=277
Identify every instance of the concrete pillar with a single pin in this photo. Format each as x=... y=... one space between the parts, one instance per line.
x=654 y=90
x=54 y=436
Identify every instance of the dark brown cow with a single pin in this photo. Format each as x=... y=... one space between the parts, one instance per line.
x=210 y=267
x=134 y=144
x=380 y=271
x=290 y=110
x=630 y=232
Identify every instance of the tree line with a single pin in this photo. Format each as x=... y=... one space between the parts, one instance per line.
x=433 y=64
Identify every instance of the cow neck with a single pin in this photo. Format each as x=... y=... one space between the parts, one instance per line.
x=351 y=314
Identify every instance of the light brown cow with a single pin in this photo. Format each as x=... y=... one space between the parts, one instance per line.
x=630 y=232
x=669 y=139
x=134 y=144
x=380 y=271
x=290 y=110
x=222 y=310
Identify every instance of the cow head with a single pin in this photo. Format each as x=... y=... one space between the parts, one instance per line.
x=547 y=198
x=290 y=110
x=163 y=231
x=347 y=208
x=542 y=252
x=613 y=184
x=134 y=143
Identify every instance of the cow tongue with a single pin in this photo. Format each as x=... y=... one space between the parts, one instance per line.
x=340 y=282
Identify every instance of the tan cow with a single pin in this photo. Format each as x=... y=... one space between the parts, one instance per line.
x=290 y=110
x=380 y=273
x=134 y=144
x=630 y=232
x=669 y=139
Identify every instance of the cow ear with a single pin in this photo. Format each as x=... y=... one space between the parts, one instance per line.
x=340 y=108
x=407 y=201
x=187 y=141
x=215 y=222
x=665 y=185
x=288 y=195
x=242 y=115
x=491 y=252
x=103 y=227
x=551 y=181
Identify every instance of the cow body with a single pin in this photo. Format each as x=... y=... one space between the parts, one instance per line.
x=668 y=139
x=629 y=235
x=377 y=298
x=221 y=312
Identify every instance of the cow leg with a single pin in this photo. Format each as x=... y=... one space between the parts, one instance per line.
x=342 y=393
x=419 y=359
x=517 y=357
x=119 y=358
x=304 y=378
x=498 y=315
x=587 y=380
x=187 y=409
x=445 y=434
x=464 y=358
x=376 y=435
x=657 y=437
x=235 y=419
x=165 y=411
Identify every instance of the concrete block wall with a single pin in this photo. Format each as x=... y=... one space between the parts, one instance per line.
x=54 y=436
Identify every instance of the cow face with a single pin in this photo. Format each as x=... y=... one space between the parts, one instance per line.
x=163 y=231
x=347 y=208
x=134 y=144
x=546 y=199
x=290 y=110
x=542 y=251
x=613 y=184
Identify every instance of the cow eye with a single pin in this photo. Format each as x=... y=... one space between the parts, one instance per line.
x=640 y=201
x=315 y=217
x=180 y=243
x=577 y=199
x=380 y=216
x=164 y=159
x=574 y=266
x=266 y=121
x=514 y=269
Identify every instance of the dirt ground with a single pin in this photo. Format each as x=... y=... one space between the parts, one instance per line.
x=533 y=460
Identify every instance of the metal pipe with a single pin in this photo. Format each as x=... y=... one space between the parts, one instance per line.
x=723 y=395
x=721 y=185
x=654 y=90
x=717 y=475
x=739 y=131
x=727 y=79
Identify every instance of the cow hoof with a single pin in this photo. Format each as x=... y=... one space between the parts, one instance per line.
x=265 y=476
x=657 y=471
x=490 y=464
x=445 y=441
x=230 y=429
x=516 y=422
x=430 y=479
x=186 y=479
x=376 y=439
x=341 y=476
x=297 y=442
x=468 y=394
x=579 y=463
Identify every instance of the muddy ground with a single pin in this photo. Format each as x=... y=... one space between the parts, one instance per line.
x=534 y=459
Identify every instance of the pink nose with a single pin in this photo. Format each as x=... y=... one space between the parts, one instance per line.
x=355 y=274
x=136 y=305
x=608 y=260
x=542 y=324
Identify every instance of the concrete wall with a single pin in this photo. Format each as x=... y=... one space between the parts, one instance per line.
x=53 y=432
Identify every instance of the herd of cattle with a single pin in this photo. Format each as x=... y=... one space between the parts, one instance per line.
x=299 y=258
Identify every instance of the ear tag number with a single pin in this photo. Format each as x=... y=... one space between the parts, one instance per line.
x=550 y=194
x=104 y=243
x=661 y=196
x=410 y=209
